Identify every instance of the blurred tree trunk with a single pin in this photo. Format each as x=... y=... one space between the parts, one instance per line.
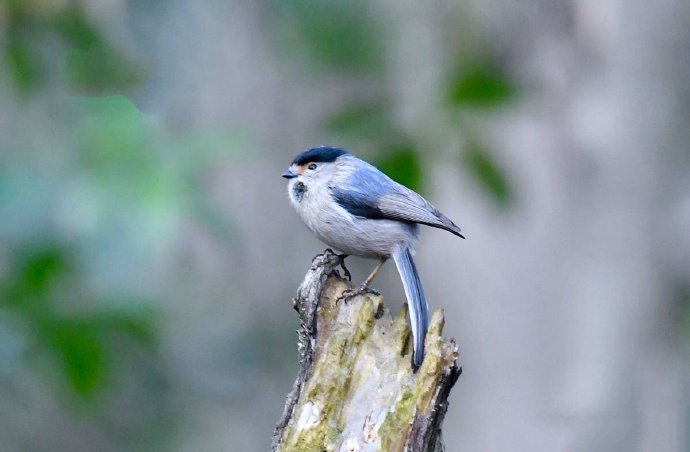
x=355 y=390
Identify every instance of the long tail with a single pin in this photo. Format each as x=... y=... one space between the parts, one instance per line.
x=419 y=309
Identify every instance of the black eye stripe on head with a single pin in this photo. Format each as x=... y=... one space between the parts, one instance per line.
x=322 y=154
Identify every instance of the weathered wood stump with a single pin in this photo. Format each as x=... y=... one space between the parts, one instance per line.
x=355 y=390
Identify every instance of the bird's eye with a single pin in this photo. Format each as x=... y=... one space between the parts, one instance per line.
x=312 y=166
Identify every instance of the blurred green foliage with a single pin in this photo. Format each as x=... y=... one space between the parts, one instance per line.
x=92 y=202
x=480 y=84
x=21 y=66
x=371 y=123
x=402 y=164
x=37 y=33
x=369 y=120
x=486 y=172
x=45 y=295
x=338 y=35
x=83 y=228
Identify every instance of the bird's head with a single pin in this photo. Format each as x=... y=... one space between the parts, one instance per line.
x=314 y=164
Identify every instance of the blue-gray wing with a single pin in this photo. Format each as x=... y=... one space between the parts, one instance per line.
x=371 y=194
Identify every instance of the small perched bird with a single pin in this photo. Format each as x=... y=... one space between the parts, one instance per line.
x=353 y=207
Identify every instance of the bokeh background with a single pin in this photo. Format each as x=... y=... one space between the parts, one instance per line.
x=148 y=253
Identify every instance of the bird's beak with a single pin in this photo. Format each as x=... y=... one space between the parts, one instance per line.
x=289 y=174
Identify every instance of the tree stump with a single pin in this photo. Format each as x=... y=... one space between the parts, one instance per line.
x=355 y=390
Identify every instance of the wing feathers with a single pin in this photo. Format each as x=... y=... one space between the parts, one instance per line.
x=409 y=206
x=397 y=203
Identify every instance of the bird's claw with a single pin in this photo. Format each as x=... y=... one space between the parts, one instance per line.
x=346 y=272
x=360 y=290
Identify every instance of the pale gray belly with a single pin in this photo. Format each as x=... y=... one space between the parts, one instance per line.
x=366 y=238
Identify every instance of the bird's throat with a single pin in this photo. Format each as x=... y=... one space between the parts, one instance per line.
x=298 y=191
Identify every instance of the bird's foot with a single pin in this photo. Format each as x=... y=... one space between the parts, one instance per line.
x=346 y=272
x=364 y=288
x=360 y=290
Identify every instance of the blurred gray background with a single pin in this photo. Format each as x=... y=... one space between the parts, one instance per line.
x=148 y=252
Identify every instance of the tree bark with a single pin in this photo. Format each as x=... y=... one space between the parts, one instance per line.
x=355 y=390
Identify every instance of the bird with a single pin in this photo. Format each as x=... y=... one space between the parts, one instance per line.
x=352 y=206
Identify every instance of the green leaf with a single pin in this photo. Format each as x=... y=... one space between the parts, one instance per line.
x=402 y=164
x=488 y=174
x=84 y=345
x=81 y=353
x=21 y=33
x=481 y=85
x=74 y=27
x=22 y=66
x=36 y=270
